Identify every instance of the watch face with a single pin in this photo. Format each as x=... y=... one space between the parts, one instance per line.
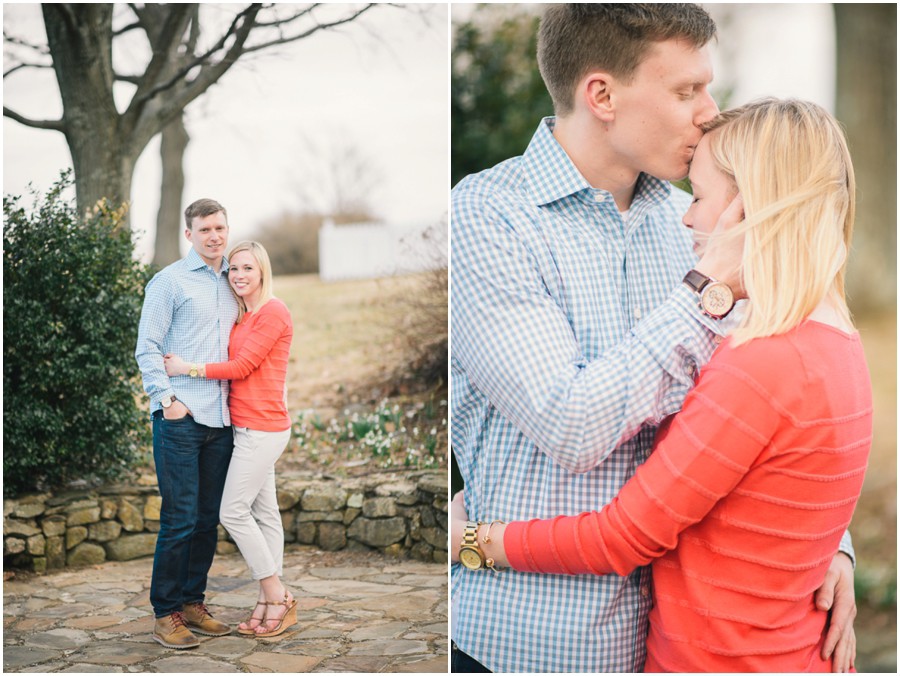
x=717 y=299
x=470 y=559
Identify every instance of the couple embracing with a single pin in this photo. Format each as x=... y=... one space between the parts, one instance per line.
x=584 y=317
x=213 y=347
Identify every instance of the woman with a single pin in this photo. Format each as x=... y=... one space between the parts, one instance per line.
x=258 y=357
x=743 y=502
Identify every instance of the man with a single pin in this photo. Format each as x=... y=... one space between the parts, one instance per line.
x=573 y=335
x=188 y=310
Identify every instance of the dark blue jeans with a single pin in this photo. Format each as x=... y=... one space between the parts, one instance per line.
x=461 y=663
x=191 y=465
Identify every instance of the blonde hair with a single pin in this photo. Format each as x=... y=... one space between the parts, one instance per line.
x=258 y=252
x=790 y=162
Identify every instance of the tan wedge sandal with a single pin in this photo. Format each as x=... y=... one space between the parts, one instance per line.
x=251 y=631
x=289 y=618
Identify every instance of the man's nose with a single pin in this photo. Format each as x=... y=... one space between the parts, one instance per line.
x=707 y=108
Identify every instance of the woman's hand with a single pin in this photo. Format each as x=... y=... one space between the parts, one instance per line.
x=175 y=365
x=458 y=518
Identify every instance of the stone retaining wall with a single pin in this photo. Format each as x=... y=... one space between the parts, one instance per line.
x=398 y=515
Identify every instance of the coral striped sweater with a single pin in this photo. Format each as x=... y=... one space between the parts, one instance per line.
x=741 y=507
x=257 y=367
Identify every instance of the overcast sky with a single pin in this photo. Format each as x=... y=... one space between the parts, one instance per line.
x=381 y=83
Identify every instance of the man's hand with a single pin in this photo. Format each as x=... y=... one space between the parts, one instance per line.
x=175 y=365
x=176 y=411
x=724 y=251
x=838 y=596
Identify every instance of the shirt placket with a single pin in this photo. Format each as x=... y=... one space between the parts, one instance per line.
x=224 y=333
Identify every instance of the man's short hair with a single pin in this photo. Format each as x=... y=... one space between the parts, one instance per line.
x=201 y=208
x=575 y=39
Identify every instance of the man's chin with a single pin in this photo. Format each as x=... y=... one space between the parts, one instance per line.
x=674 y=175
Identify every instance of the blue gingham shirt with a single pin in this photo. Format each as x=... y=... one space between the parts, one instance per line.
x=189 y=310
x=572 y=338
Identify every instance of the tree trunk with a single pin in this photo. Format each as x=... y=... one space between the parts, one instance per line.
x=168 y=220
x=102 y=171
x=80 y=41
x=867 y=107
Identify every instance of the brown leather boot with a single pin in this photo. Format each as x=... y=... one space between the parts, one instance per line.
x=171 y=632
x=198 y=619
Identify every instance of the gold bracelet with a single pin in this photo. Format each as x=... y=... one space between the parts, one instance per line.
x=486 y=539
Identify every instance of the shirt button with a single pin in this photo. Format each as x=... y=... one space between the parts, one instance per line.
x=637 y=313
x=599 y=197
x=717 y=339
x=690 y=367
x=645 y=591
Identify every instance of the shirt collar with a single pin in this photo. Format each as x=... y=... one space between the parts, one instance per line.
x=193 y=262
x=552 y=176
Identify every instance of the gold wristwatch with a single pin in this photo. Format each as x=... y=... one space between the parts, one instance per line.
x=193 y=373
x=470 y=554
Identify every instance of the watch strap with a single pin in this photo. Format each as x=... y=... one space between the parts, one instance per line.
x=470 y=534
x=696 y=280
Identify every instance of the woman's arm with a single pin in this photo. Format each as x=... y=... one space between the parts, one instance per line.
x=267 y=330
x=699 y=459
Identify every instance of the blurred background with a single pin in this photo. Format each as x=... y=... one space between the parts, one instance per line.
x=842 y=56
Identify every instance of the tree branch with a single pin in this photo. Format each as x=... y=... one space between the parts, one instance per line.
x=26 y=65
x=125 y=29
x=55 y=125
x=165 y=42
x=233 y=29
x=19 y=42
x=293 y=17
x=133 y=79
x=305 y=34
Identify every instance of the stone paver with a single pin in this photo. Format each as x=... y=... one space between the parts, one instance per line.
x=357 y=612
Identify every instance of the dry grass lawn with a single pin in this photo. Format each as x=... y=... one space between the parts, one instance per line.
x=349 y=354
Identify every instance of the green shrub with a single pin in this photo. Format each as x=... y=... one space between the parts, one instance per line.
x=72 y=300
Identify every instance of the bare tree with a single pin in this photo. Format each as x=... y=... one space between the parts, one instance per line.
x=334 y=178
x=183 y=63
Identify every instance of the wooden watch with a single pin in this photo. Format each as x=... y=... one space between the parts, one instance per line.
x=716 y=298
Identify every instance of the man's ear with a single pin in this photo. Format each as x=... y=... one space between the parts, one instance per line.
x=596 y=92
x=187 y=234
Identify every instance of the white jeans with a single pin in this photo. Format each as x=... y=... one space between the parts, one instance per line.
x=249 y=509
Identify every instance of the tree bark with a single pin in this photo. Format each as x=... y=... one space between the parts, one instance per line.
x=80 y=40
x=867 y=107
x=174 y=142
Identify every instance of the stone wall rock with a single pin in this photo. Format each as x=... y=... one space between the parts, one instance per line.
x=132 y=547
x=86 y=554
x=130 y=516
x=397 y=515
